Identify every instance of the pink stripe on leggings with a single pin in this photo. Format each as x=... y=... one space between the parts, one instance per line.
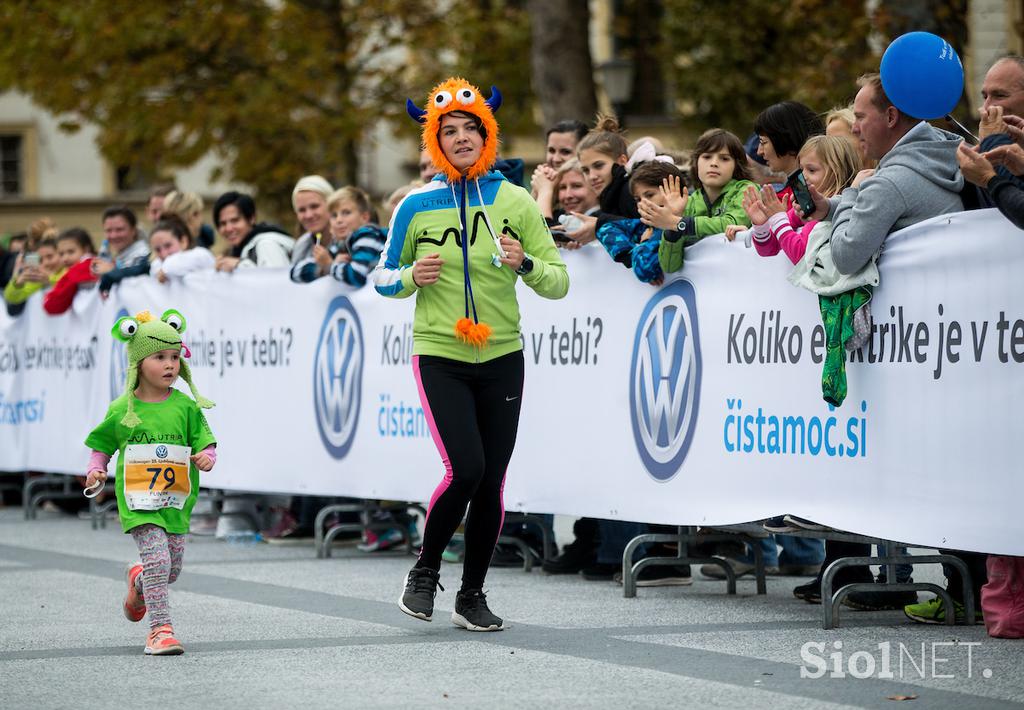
x=447 y=480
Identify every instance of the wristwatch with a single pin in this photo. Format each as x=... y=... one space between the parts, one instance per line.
x=526 y=267
x=681 y=226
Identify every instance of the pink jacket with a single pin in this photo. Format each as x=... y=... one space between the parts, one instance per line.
x=783 y=231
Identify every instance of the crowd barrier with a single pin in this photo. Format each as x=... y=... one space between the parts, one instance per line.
x=696 y=403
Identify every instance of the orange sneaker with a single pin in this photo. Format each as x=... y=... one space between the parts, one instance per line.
x=134 y=604
x=161 y=642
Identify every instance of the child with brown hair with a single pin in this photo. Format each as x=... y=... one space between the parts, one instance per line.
x=719 y=172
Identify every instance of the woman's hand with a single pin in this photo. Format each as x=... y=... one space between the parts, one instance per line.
x=675 y=198
x=101 y=266
x=975 y=167
x=513 y=252
x=656 y=216
x=427 y=270
x=202 y=461
x=754 y=208
x=322 y=257
x=1010 y=157
x=227 y=263
x=585 y=234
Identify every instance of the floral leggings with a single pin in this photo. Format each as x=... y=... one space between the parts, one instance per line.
x=161 y=554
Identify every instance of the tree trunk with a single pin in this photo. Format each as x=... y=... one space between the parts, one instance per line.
x=562 y=70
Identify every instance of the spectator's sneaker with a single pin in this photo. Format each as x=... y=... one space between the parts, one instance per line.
x=804 y=524
x=421 y=585
x=472 y=614
x=455 y=552
x=661 y=576
x=161 y=642
x=600 y=572
x=933 y=611
x=574 y=558
x=880 y=600
x=778 y=524
x=739 y=567
x=134 y=604
x=285 y=526
x=810 y=592
x=384 y=541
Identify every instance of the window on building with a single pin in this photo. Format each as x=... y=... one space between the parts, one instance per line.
x=10 y=165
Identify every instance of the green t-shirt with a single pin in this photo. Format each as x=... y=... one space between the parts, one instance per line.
x=176 y=421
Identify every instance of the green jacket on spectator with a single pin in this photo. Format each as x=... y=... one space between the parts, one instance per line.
x=702 y=220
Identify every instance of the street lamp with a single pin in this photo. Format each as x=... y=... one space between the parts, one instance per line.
x=617 y=80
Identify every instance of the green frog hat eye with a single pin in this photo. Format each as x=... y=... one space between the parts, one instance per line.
x=125 y=329
x=174 y=319
x=144 y=336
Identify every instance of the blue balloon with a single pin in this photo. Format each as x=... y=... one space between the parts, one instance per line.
x=922 y=75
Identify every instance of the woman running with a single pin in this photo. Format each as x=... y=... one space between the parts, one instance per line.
x=460 y=243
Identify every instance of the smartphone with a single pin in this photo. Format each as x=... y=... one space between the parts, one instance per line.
x=31 y=259
x=560 y=237
x=802 y=195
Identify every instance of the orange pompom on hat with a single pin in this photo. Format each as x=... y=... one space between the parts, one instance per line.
x=450 y=96
x=457 y=94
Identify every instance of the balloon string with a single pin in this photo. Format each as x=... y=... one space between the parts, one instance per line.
x=949 y=117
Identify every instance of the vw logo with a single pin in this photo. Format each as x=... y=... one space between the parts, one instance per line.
x=338 y=377
x=664 y=379
x=118 y=362
x=161 y=452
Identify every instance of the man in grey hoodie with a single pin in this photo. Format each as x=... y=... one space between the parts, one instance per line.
x=917 y=178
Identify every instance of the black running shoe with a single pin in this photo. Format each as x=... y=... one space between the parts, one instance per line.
x=810 y=592
x=420 y=587
x=471 y=612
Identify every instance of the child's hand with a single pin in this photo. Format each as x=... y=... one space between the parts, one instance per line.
x=771 y=202
x=227 y=264
x=322 y=257
x=733 y=229
x=675 y=198
x=655 y=216
x=161 y=276
x=821 y=206
x=343 y=258
x=647 y=234
x=202 y=461
x=753 y=206
x=95 y=476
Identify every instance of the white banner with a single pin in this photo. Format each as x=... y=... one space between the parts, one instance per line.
x=696 y=403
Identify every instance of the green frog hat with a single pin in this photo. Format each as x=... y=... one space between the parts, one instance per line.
x=143 y=336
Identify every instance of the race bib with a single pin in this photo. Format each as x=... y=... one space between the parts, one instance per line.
x=156 y=476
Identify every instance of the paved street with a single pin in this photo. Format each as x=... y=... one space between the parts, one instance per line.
x=272 y=626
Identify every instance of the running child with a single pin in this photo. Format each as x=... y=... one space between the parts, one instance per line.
x=162 y=440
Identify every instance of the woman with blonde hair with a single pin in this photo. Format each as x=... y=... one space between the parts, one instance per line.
x=188 y=208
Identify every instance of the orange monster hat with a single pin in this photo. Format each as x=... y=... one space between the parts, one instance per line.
x=457 y=94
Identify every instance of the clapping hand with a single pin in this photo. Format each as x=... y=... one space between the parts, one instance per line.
x=975 y=167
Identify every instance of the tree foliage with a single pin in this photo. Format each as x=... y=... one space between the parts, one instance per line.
x=733 y=58
x=276 y=90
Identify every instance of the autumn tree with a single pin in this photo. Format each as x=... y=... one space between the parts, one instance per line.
x=729 y=59
x=276 y=90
